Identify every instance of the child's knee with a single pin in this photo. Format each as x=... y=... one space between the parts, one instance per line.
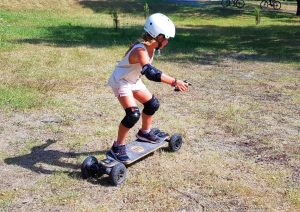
x=151 y=106
x=132 y=116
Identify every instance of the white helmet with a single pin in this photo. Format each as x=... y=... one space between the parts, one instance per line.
x=159 y=24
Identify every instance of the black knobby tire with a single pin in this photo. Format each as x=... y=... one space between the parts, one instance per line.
x=225 y=3
x=175 y=142
x=89 y=167
x=276 y=5
x=240 y=3
x=118 y=174
x=264 y=4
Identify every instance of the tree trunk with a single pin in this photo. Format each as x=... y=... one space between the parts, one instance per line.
x=298 y=7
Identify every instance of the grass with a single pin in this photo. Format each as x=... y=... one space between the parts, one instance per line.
x=6 y=197
x=18 y=97
x=64 y=199
x=231 y=115
x=60 y=190
x=239 y=119
x=294 y=197
x=29 y=145
x=60 y=180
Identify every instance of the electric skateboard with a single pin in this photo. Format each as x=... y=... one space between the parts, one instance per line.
x=135 y=150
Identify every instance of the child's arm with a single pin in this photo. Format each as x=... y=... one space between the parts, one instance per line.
x=152 y=73
x=156 y=75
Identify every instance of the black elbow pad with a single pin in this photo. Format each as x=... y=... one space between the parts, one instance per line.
x=151 y=73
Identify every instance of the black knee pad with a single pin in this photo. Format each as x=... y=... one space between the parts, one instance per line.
x=132 y=116
x=151 y=106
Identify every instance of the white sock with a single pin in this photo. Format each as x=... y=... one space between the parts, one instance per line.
x=145 y=131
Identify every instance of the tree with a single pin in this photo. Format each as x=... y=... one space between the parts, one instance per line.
x=298 y=7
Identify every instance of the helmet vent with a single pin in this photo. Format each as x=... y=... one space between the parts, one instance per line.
x=151 y=23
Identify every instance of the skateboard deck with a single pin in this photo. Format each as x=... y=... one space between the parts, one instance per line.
x=138 y=149
x=135 y=151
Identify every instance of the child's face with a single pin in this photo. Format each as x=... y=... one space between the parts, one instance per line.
x=164 y=41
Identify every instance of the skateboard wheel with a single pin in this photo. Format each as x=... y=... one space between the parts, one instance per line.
x=118 y=174
x=175 y=142
x=89 y=167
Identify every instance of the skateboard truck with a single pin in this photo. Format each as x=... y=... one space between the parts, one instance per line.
x=92 y=168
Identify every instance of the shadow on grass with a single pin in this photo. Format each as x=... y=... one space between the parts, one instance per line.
x=199 y=44
x=70 y=36
x=196 y=9
x=127 y=6
x=106 y=6
x=203 y=45
x=268 y=43
x=186 y=9
x=39 y=155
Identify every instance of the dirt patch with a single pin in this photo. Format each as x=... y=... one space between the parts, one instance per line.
x=280 y=158
x=296 y=175
x=262 y=154
x=275 y=97
x=252 y=147
x=247 y=143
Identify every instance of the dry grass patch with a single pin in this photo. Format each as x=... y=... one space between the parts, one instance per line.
x=38 y=4
x=231 y=116
x=6 y=197
x=294 y=197
x=28 y=146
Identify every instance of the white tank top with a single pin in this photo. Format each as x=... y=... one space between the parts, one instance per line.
x=125 y=72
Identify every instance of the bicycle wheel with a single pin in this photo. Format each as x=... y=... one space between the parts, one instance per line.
x=276 y=5
x=233 y=2
x=264 y=4
x=225 y=3
x=240 y=3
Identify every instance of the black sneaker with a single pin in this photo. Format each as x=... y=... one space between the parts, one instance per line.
x=119 y=153
x=150 y=137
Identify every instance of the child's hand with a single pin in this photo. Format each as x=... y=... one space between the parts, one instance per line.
x=181 y=85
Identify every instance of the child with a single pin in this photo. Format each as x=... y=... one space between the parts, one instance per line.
x=128 y=87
